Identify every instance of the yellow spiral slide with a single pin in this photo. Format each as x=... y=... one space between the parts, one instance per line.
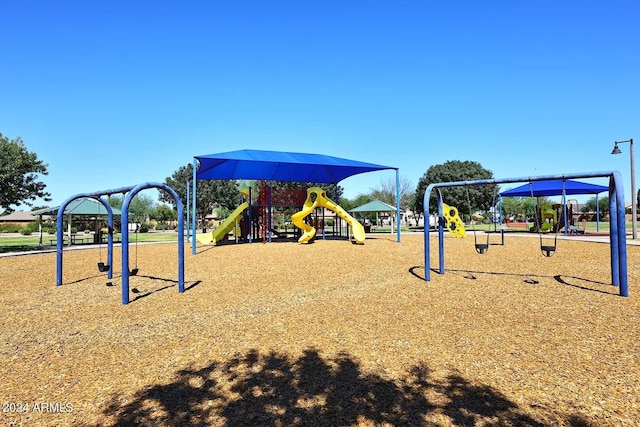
x=321 y=200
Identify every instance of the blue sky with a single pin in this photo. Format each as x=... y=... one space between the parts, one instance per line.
x=111 y=94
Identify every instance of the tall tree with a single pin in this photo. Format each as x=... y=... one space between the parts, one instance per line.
x=522 y=207
x=19 y=169
x=331 y=189
x=163 y=213
x=386 y=192
x=464 y=198
x=590 y=206
x=210 y=193
x=140 y=208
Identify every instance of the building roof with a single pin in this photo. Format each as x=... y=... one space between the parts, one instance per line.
x=18 y=216
x=280 y=166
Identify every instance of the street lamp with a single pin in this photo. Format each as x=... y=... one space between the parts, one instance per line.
x=634 y=196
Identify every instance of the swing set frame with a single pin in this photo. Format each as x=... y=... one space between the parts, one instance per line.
x=617 y=241
x=126 y=272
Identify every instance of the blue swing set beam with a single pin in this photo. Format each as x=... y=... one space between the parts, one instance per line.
x=617 y=241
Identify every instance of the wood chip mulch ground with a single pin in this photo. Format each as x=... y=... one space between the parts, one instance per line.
x=328 y=333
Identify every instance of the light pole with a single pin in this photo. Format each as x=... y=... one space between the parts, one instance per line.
x=634 y=196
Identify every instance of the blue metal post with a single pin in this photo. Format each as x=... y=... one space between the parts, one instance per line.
x=268 y=211
x=501 y=228
x=250 y=227
x=188 y=217
x=614 y=234
x=564 y=207
x=440 y=233
x=193 y=208
x=125 y=249
x=398 y=203
x=622 y=235
x=125 y=235
x=598 y=216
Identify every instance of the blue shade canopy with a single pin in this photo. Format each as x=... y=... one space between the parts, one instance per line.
x=280 y=166
x=554 y=188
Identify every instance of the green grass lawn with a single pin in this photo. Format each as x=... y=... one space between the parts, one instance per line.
x=30 y=243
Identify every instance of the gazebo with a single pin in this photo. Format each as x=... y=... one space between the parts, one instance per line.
x=81 y=207
x=377 y=206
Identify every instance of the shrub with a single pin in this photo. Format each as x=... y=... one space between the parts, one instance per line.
x=32 y=226
x=144 y=228
x=25 y=232
x=10 y=228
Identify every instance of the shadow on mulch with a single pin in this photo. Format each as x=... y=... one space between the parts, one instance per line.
x=275 y=389
x=172 y=284
x=529 y=278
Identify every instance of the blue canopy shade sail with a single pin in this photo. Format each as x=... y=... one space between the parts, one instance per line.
x=280 y=166
x=554 y=188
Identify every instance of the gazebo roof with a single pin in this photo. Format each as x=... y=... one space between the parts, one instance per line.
x=374 y=206
x=83 y=206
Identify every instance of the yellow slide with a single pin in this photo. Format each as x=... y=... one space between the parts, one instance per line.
x=226 y=226
x=321 y=200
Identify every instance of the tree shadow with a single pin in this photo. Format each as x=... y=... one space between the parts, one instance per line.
x=275 y=389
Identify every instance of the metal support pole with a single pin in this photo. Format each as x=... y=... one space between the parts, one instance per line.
x=634 y=195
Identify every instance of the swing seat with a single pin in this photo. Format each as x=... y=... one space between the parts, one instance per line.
x=102 y=267
x=548 y=250
x=134 y=272
x=482 y=248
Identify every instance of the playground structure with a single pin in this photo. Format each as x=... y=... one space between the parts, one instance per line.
x=108 y=267
x=277 y=166
x=618 y=244
x=232 y=222
x=255 y=221
x=271 y=202
x=551 y=217
x=454 y=223
x=547 y=219
x=317 y=197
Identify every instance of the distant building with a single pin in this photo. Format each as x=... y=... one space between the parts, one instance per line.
x=18 y=218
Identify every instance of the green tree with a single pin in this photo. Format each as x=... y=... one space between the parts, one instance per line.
x=19 y=170
x=361 y=199
x=590 y=206
x=163 y=214
x=521 y=208
x=210 y=193
x=479 y=197
x=140 y=208
x=330 y=189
